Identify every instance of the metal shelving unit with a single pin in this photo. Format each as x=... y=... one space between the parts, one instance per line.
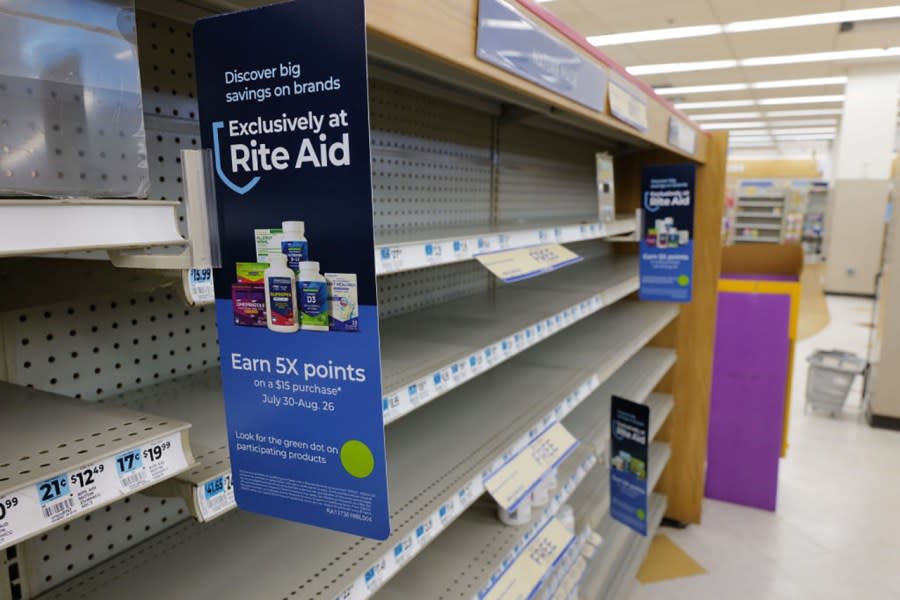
x=466 y=159
x=482 y=426
x=63 y=458
x=760 y=217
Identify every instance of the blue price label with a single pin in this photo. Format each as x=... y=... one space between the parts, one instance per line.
x=50 y=490
x=128 y=461
x=201 y=275
x=214 y=487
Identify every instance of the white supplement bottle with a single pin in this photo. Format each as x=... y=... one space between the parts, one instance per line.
x=281 y=295
x=312 y=289
x=292 y=243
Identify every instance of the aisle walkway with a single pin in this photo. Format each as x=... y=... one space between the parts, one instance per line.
x=836 y=533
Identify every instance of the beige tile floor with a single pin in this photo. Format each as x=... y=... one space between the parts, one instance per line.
x=836 y=532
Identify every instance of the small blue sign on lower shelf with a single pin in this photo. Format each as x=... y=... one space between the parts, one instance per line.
x=629 y=463
x=283 y=94
x=667 y=233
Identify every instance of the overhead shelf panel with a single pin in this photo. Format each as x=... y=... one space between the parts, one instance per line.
x=418 y=248
x=434 y=475
x=64 y=458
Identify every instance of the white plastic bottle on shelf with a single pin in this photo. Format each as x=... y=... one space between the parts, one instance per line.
x=292 y=243
x=312 y=289
x=520 y=516
x=281 y=295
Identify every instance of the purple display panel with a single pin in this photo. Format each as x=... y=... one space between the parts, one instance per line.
x=747 y=405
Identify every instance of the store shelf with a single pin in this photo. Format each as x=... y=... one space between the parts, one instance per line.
x=468 y=336
x=406 y=250
x=29 y=227
x=759 y=215
x=766 y=226
x=67 y=458
x=197 y=399
x=475 y=549
x=752 y=203
x=757 y=240
x=621 y=554
x=434 y=475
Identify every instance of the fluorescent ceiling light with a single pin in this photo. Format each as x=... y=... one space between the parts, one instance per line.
x=865 y=14
x=714 y=104
x=812 y=112
x=705 y=65
x=803 y=122
x=701 y=65
x=749 y=132
x=654 y=35
x=724 y=116
x=700 y=89
x=805 y=137
x=674 y=33
x=804 y=130
x=759 y=85
x=790 y=59
x=734 y=125
x=801 y=100
x=789 y=83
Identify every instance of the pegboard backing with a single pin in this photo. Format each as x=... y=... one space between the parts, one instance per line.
x=431 y=161
x=66 y=551
x=166 y=59
x=94 y=348
x=544 y=176
x=414 y=290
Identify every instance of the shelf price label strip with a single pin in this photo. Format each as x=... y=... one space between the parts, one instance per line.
x=214 y=497
x=406 y=399
x=392 y=258
x=35 y=508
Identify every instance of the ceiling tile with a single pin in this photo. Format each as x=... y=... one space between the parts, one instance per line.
x=590 y=17
x=777 y=42
x=732 y=10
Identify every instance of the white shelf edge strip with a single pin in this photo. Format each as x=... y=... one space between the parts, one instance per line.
x=412 y=395
x=29 y=227
x=408 y=255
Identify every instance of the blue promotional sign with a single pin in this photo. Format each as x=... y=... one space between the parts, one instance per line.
x=628 y=469
x=524 y=47
x=667 y=233
x=283 y=94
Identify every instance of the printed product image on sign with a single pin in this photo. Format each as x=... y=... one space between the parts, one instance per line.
x=283 y=93
x=667 y=233
x=628 y=468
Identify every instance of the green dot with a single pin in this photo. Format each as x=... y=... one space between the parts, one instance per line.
x=683 y=280
x=640 y=514
x=357 y=459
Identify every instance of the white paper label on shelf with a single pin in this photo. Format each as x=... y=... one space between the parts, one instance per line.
x=682 y=135
x=198 y=284
x=525 y=574
x=517 y=478
x=35 y=508
x=628 y=104
x=215 y=497
x=523 y=263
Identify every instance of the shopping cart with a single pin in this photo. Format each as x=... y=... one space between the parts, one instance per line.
x=831 y=374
